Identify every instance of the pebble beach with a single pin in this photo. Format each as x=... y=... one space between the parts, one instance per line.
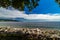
x=31 y=33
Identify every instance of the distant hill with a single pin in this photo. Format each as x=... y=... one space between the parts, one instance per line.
x=24 y=20
x=7 y=19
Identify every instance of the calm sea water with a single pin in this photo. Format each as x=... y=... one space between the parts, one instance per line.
x=31 y=24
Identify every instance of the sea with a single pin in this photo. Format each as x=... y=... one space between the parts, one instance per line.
x=51 y=25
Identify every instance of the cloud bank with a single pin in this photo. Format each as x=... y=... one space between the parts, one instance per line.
x=21 y=14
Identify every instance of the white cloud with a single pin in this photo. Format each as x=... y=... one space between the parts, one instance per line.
x=21 y=14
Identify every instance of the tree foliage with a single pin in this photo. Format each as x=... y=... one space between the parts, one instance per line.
x=19 y=4
x=58 y=1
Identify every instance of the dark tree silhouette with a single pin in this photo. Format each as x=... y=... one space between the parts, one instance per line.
x=19 y=4
x=4 y=3
x=58 y=1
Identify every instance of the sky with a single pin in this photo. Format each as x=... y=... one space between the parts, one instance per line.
x=46 y=6
x=48 y=10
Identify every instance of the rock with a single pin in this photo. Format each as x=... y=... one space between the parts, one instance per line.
x=55 y=36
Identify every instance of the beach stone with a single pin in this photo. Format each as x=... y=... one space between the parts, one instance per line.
x=55 y=36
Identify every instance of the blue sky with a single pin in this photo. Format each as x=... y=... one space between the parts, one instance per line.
x=46 y=6
x=48 y=10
